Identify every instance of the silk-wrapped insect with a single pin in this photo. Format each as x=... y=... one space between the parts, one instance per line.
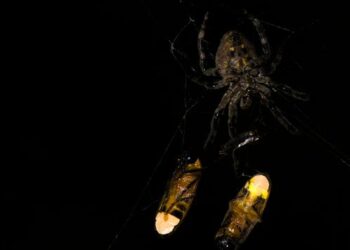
x=179 y=195
x=244 y=212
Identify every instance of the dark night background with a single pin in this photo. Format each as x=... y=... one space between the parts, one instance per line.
x=94 y=96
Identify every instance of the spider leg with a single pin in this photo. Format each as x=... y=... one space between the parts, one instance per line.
x=203 y=50
x=208 y=82
x=217 y=84
x=275 y=62
x=282 y=88
x=237 y=143
x=279 y=54
x=245 y=101
x=222 y=105
x=232 y=113
x=278 y=57
x=209 y=77
x=262 y=35
x=278 y=114
x=289 y=91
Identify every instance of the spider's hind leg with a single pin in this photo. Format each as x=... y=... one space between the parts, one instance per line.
x=278 y=114
x=289 y=91
x=266 y=85
x=264 y=90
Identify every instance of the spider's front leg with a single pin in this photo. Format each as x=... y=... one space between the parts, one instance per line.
x=205 y=80
x=203 y=50
x=263 y=38
x=276 y=61
x=208 y=78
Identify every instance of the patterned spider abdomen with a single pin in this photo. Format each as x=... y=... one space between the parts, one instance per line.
x=234 y=55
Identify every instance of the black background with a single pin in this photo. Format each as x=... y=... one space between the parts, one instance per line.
x=94 y=97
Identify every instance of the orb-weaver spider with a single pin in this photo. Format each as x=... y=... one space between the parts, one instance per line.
x=244 y=74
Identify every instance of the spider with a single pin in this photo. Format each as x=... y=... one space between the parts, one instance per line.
x=244 y=74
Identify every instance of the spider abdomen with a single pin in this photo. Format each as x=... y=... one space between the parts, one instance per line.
x=234 y=55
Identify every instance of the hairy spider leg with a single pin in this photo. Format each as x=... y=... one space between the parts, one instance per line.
x=285 y=89
x=265 y=46
x=207 y=81
x=222 y=105
x=203 y=49
x=209 y=78
x=278 y=114
x=276 y=61
x=232 y=114
x=289 y=91
x=265 y=99
x=278 y=57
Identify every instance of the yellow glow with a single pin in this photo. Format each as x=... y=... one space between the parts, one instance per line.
x=259 y=186
x=196 y=165
x=165 y=223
